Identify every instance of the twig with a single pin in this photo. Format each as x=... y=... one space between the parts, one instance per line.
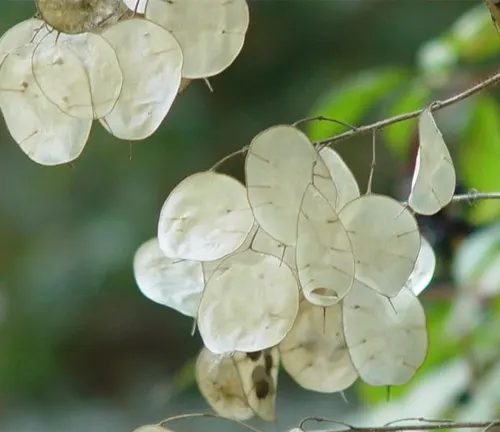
x=229 y=156
x=164 y=423
x=374 y=162
x=401 y=117
x=473 y=196
x=324 y=118
x=420 y=419
x=425 y=425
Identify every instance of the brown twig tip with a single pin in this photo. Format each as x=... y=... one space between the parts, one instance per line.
x=437 y=105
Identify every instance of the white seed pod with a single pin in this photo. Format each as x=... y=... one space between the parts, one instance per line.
x=151 y=61
x=46 y=134
x=314 y=353
x=23 y=33
x=434 y=178
x=264 y=243
x=249 y=303
x=386 y=338
x=79 y=16
x=138 y=6
x=61 y=76
x=258 y=372
x=205 y=217
x=259 y=241
x=324 y=254
x=220 y=384
x=423 y=272
x=385 y=240
x=210 y=32
x=281 y=162
x=210 y=266
x=177 y=284
x=345 y=182
x=152 y=428
x=102 y=69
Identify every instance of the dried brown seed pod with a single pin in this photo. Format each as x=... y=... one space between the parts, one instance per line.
x=79 y=16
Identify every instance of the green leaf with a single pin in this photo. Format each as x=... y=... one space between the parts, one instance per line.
x=398 y=135
x=349 y=101
x=479 y=158
x=474 y=35
x=440 y=350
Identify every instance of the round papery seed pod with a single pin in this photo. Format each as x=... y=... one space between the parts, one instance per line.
x=434 y=179
x=249 y=303
x=324 y=253
x=386 y=338
x=220 y=384
x=206 y=217
x=385 y=239
x=44 y=132
x=276 y=184
x=314 y=353
x=210 y=32
x=151 y=62
x=174 y=283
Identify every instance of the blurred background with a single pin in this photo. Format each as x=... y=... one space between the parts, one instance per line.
x=82 y=350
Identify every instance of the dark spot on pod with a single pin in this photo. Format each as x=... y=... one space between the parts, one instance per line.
x=262 y=389
x=268 y=363
x=254 y=356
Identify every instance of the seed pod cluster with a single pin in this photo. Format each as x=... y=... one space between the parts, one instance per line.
x=297 y=267
x=98 y=60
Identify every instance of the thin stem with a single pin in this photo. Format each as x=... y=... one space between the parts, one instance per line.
x=209 y=85
x=425 y=425
x=402 y=117
x=230 y=156
x=473 y=196
x=374 y=162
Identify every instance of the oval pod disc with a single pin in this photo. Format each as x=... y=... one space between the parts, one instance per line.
x=151 y=61
x=61 y=76
x=46 y=134
x=78 y=16
x=324 y=254
x=434 y=178
x=177 y=284
x=347 y=186
x=281 y=162
x=386 y=338
x=220 y=384
x=258 y=372
x=385 y=240
x=249 y=303
x=205 y=217
x=23 y=33
x=314 y=353
x=210 y=32
x=101 y=66
x=259 y=241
